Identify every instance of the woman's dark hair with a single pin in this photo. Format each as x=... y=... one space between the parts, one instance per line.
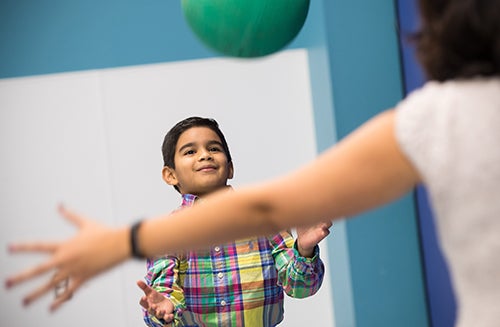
x=459 y=38
x=170 y=141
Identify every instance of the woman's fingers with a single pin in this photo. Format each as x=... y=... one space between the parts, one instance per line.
x=51 y=285
x=59 y=284
x=35 y=247
x=30 y=273
x=65 y=296
x=74 y=260
x=71 y=216
x=44 y=247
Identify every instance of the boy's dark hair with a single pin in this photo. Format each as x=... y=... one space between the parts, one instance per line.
x=459 y=38
x=170 y=140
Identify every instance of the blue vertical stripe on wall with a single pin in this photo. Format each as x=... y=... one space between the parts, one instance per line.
x=441 y=301
x=384 y=254
x=324 y=122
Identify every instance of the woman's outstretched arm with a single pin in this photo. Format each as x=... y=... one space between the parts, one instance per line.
x=363 y=171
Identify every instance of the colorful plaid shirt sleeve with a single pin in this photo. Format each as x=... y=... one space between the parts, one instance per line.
x=163 y=274
x=300 y=277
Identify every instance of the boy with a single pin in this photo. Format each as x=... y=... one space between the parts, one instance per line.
x=236 y=284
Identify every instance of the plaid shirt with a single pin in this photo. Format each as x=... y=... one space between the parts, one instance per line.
x=236 y=284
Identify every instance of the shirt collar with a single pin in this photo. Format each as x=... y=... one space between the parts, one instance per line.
x=188 y=200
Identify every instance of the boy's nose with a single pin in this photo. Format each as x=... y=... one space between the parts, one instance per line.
x=205 y=155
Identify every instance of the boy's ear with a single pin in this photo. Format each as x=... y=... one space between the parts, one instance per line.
x=231 y=171
x=169 y=176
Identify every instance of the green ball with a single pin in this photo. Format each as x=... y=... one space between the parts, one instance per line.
x=246 y=28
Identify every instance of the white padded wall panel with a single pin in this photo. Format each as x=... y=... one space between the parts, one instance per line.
x=53 y=150
x=92 y=139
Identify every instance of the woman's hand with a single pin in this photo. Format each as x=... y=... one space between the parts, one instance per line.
x=94 y=249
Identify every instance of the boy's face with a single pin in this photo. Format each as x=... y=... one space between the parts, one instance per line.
x=201 y=164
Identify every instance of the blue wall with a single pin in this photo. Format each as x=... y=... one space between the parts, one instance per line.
x=40 y=37
x=353 y=55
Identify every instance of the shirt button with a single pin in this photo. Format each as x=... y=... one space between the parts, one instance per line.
x=220 y=275
x=217 y=249
x=223 y=303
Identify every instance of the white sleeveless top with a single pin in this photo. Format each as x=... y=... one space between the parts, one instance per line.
x=451 y=133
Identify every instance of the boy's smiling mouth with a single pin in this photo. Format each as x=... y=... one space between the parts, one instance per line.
x=207 y=168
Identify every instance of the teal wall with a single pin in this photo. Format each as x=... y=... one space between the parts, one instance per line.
x=43 y=37
x=376 y=267
x=382 y=245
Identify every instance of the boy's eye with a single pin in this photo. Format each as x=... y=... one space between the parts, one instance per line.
x=214 y=149
x=188 y=152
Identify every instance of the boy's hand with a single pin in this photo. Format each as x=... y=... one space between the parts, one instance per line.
x=309 y=237
x=156 y=303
